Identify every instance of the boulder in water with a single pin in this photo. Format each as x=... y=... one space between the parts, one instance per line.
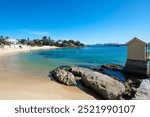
x=112 y=67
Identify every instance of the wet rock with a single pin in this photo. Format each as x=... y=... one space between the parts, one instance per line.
x=64 y=77
x=112 y=67
x=143 y=92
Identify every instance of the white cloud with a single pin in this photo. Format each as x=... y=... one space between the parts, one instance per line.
x=39 y=33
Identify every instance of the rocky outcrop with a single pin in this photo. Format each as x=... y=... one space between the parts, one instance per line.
x=112 y=67
x=143 y=92
x=103 y=85
x=68 y=75
x=64 y=77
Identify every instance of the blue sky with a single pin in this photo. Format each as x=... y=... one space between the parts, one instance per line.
x=90 y=21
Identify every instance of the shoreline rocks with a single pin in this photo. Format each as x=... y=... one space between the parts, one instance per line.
x=143 y=92
x=112 y=67
x=101 y=84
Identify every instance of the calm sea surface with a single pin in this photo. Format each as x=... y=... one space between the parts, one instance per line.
x=41 y=62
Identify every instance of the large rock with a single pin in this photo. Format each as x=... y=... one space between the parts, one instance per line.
x=143 y=92
x=79 y=71
x=102 y=84
x=64 y=77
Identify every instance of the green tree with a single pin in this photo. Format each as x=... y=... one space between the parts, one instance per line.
x=23 y=41
x=4 y=40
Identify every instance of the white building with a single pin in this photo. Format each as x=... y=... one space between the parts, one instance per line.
x=13 y=41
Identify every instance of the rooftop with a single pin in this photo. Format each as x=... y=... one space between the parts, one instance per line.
x=136 y=39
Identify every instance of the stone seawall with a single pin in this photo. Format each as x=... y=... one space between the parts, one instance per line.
x=136 y=67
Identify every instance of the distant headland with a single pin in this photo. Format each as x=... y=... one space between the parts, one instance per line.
x=110 y=44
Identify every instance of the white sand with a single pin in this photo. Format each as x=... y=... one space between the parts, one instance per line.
x=21 y=86
x=12 y=50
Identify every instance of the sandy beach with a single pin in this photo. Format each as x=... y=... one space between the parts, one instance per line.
x=13 y=50
x=19 y=86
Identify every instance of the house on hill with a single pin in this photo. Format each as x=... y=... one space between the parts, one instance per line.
x=137 y=58
x=13 y=41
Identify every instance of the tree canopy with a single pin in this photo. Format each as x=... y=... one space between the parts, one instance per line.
x=4 y=40
x=44 y=41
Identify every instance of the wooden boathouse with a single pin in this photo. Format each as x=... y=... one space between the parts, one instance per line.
x=137 y=58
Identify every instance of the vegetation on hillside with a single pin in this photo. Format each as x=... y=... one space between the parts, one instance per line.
x=44 y=41
x=3 y=40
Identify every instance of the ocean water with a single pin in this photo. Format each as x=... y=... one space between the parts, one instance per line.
x=41 y=62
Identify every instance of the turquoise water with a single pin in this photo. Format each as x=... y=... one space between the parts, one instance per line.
x=41 y=62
